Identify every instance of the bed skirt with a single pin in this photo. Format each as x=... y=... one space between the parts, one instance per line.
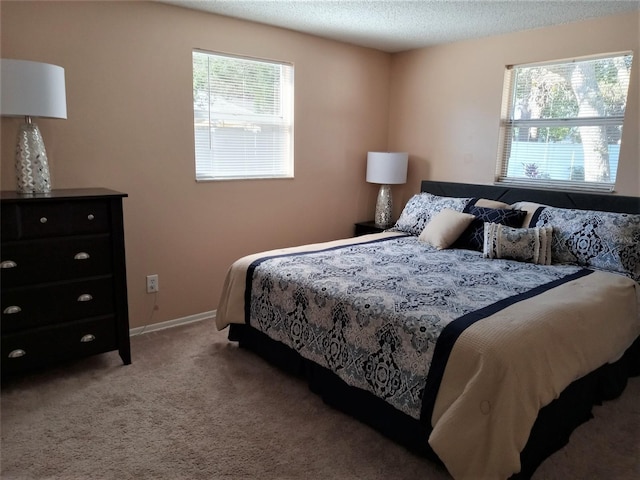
x=550 y=432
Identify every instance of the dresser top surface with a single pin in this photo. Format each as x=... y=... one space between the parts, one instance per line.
x=60 y=194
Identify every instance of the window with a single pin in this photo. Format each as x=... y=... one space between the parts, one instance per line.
x=562 y=122
x=242 y=117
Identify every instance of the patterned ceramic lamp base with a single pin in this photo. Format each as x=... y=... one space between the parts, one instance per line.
x=32 y=168
x=384 y=207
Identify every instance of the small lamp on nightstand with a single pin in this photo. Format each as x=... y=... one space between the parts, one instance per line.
x=386 y=168
x=32 y=89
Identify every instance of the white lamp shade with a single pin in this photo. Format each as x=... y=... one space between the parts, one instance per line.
x=32 y=89
x=387 y=168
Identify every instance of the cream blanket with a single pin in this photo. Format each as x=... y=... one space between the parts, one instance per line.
x=505 y=368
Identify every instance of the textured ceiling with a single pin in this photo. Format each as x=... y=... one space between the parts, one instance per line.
x=397 y=25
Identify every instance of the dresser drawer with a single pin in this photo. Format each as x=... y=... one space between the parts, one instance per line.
x=67 y=258
x=29 y=307
x=9 y=221
x=43 y=346
x=38 y=220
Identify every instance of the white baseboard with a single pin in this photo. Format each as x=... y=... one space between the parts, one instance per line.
x=154 y=327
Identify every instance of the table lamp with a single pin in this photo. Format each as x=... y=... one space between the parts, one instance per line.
x=32 y=89
x=386 y=168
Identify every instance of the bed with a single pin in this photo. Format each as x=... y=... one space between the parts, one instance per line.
x=479 y=331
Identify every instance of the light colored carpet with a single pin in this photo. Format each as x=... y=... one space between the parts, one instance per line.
x=194 y=406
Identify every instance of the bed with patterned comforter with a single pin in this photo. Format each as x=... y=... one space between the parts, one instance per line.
x=468 y=346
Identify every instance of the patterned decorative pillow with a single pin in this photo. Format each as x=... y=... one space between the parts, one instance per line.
x=422 y=207
x=473 y=237
x=600 y=240
x=445 y=227
x=531 y=245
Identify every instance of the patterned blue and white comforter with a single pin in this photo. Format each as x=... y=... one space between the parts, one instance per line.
x=372 y=312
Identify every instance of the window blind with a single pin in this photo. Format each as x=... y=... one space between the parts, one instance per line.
x=562 y=122
x=243 y=117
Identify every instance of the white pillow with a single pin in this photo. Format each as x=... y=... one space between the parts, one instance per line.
x=445 y=227
x=486 y=203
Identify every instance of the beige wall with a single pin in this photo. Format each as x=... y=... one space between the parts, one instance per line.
x=446 y=100
x=130 y=128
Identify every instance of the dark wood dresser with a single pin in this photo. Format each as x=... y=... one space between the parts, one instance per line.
x=63 y=274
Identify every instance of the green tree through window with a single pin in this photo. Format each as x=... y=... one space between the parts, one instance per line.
x=562 y=123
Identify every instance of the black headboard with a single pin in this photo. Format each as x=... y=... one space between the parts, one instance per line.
x=584 y=201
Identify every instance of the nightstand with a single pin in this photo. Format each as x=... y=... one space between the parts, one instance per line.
x=363 y=228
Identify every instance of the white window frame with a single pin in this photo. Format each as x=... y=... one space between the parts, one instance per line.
x=254 y=145
x=508 y=123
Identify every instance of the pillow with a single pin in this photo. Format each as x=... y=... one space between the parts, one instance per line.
x=473 y=237
x=445 y=227
x=485 y=202
x=530 y=208
x=422 y=207
x=531 y=245
x=600 y=240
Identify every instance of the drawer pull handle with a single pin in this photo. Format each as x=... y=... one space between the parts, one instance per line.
x=81 y=256
x=17 y=353
x=12 y=309
x=8 y=264
x=87 y=338
x=90 y=216
x=43 y=219
x=85 y=297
